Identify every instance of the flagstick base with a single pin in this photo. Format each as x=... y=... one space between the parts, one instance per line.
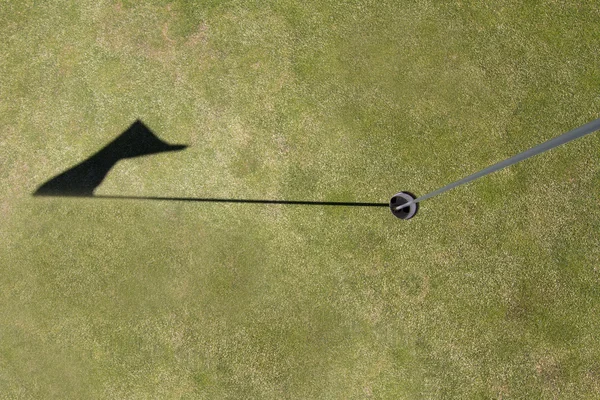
x=402 y=198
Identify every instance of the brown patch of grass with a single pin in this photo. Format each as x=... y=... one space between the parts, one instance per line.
x=547 y=370
x=503 y=391
x=592 y=379
x=19 y=171
x=282 y=143
x=153 y=41
x=199 y=37
x=424 y=289
x=5 y=209
x=165 y=33
x=65 y=60
x=499 y=387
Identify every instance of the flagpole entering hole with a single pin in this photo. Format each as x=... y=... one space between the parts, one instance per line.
x=404 y=205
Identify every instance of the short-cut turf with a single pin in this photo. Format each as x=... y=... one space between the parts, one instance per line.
x=491 y=291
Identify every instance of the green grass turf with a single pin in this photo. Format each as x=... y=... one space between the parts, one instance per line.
x=492 y=291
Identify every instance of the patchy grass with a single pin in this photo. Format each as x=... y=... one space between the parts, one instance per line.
x=491 y=291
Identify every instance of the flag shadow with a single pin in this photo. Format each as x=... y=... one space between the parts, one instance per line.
x=138 y=140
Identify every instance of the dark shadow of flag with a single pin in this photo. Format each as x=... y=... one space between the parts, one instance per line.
x=82 y=179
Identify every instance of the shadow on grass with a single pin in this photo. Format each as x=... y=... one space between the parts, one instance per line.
x=138 y=140
x=85 y=177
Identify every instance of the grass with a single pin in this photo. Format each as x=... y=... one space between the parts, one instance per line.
x=490 y=292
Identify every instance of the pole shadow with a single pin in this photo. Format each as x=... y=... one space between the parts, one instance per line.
x=138 y=140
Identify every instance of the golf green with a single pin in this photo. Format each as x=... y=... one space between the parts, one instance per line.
x=491 y=291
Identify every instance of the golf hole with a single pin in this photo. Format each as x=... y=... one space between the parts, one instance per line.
x=402 y=198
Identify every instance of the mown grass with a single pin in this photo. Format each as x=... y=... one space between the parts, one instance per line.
x=490 y=292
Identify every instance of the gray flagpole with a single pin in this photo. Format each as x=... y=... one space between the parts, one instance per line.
x=411 y=202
